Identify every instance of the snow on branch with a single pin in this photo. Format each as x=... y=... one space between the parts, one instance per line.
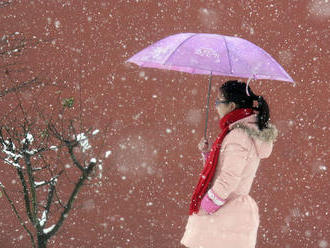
x=100 y=168
x=52 y=182
x=37 y=184
x=49 y=229
x=96 y=132
x=107 y=154
x=54 y=148
x=9 y=150
x=83 y=141
x=10 y=162
x=28 y=139
x=43 y=219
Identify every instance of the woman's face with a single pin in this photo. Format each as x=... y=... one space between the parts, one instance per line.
x=222 y=106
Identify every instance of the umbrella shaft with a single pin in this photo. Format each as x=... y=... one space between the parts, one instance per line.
x=208 y=105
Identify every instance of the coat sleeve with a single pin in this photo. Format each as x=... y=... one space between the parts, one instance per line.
x=235 y=155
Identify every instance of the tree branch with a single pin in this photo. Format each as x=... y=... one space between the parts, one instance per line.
x=52 y=190
x=10 y=147
x=58 y=199
x=5 y=3
x=74 y=159
x=17 y=214
x=20 y=86
x=73 y=196
x=50 y=197
x=32 y=189
x=25 y=193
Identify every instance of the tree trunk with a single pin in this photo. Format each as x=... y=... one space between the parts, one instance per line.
x=42 y=241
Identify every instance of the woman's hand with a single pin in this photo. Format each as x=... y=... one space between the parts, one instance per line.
x=203 y=145
x=211 y=202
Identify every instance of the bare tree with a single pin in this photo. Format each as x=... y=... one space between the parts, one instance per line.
x=39 y=148
x=50 y=159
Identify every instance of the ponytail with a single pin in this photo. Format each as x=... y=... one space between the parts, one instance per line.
x=263 y=111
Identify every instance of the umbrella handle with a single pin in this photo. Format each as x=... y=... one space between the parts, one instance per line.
x=248 y=82
x=207 y=105
x=247 y=86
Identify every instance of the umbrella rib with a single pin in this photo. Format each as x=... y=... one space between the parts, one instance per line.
x=231 y=67
x=178 y=48
x=230 y=64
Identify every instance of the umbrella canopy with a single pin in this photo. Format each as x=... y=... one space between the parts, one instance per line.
x=211 y=54
x=201 y=53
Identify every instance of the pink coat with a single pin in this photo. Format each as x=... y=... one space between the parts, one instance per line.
x=235 y=224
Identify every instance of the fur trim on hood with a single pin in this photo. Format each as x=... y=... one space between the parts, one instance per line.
x=268 y=134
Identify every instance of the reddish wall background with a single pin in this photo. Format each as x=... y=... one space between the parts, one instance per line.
x=156 y=118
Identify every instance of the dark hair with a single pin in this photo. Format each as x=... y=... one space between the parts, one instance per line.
x=235 y=91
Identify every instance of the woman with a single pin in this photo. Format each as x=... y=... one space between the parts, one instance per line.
x=222 y=214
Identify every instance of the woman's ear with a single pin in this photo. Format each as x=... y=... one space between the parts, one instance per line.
x=232 y=106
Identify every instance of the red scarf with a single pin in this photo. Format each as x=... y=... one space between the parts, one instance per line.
x=212 y=160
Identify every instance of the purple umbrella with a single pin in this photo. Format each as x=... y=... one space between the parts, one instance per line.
x=211 y=54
